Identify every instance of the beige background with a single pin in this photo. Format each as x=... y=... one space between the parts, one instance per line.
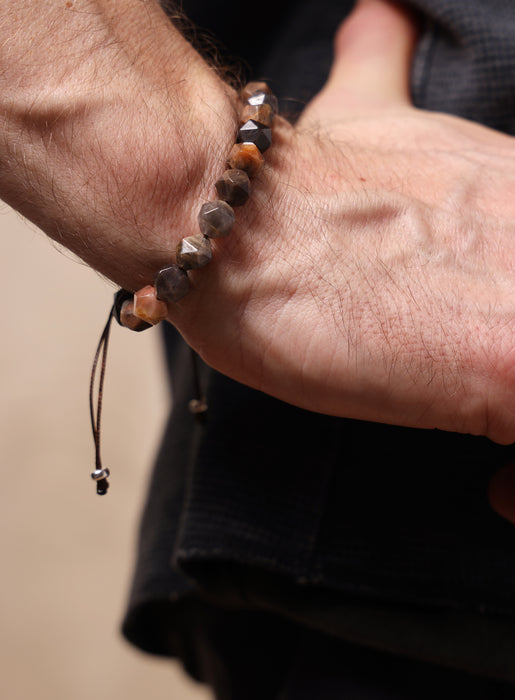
x=66 y=553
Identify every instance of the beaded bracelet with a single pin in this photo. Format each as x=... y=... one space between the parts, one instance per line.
x=148 y=306
x=216 y=218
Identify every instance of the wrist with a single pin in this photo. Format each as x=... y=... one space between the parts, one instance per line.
x=112 y=156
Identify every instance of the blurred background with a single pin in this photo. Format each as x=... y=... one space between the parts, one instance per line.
x=67 y=554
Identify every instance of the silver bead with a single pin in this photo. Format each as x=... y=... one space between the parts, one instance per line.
x=100 y=474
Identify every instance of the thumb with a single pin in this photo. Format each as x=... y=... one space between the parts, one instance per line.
x=373 y=49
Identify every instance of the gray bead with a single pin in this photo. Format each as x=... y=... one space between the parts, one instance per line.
x=216 y=219
x=172 y=284
x=193 y=252
x=233 y=187
x=252 y=132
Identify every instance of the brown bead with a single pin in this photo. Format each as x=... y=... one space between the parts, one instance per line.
x=263 y=97
x=172 y=284
x=262 y=114
x=247 y=157
x=194 y=252
x=248 y=89
x=233 y=187
x=147 y=307
x=128 y=318
x=120 y=297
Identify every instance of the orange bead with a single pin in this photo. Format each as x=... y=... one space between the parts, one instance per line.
x=147 y=307
x=246 y=157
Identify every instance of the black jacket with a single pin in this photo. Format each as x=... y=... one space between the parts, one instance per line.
x=379 y=534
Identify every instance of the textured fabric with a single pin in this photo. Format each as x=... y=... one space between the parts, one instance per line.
x=314 y=518
x=466 y=60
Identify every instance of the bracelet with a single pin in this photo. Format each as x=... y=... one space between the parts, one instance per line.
x=216 y=219
x=148 y=306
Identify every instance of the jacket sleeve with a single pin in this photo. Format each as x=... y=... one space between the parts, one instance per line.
x=465 y=60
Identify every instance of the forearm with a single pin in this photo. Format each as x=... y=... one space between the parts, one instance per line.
x=105 y=112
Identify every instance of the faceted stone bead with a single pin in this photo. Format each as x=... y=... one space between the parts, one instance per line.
x=246 y=157
x=128 y=318
x=216 y=219
x=193 y=252
x=262 y=114
x=252 y=132
x=120 y=297
x=172 y=284
x=233 y=187
x=261 y=97
x=148 y=307
x=252 y=87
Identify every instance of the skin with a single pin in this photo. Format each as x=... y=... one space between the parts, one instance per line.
x=371 y=275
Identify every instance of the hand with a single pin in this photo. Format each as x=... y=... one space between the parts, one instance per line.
x=372 y=274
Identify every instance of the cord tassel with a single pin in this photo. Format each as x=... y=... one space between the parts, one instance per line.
x=100 y=474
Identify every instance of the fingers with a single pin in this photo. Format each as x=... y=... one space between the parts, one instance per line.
x=373 y=50
x=501 y=492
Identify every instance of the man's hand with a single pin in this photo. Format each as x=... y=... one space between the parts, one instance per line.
x=371 y=273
